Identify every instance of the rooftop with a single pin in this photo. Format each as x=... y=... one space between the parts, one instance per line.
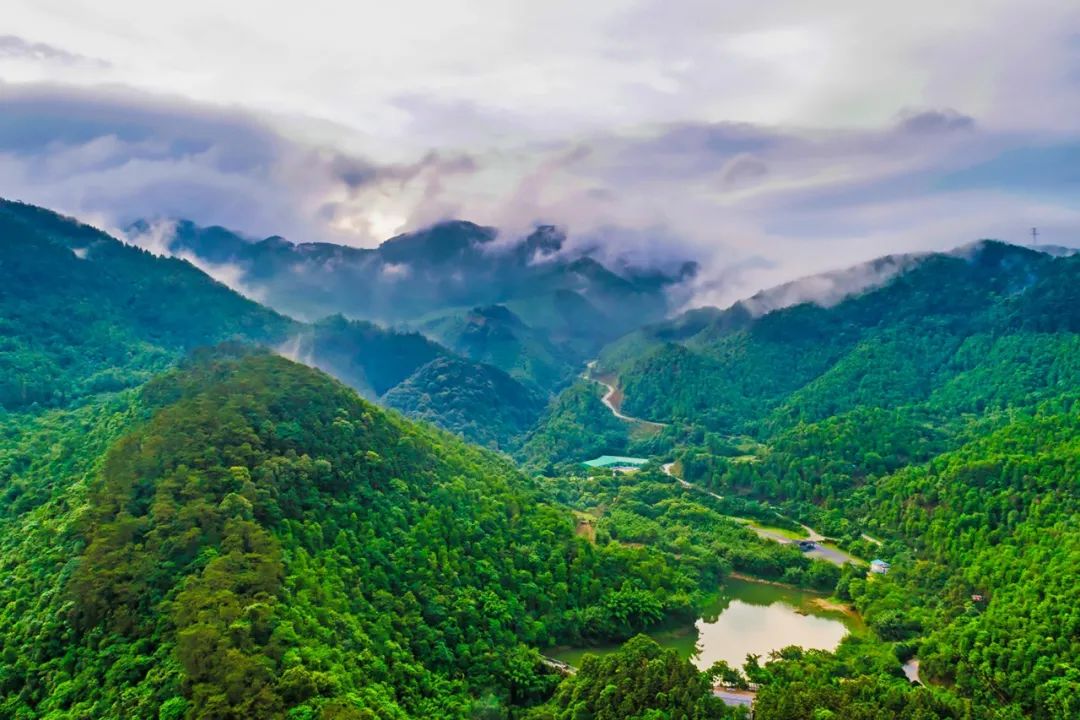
x=606 y=461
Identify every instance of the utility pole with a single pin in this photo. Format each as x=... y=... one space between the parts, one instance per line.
x=1034 y=236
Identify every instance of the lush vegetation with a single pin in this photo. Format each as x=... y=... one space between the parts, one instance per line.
x=233 y=535
x=496 y=336
x=479 y=402
x=932 y=422
x=83 y=314
x=265 y=542
x=858 y=682
x=430 y=277
x=651 y=509
x=641 y=681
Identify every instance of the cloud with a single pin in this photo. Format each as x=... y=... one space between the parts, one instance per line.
x=13 y=47
x=125 y=155
x=755 y=204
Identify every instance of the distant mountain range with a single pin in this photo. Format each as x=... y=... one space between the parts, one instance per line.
x=528 y=306
x=83 y=313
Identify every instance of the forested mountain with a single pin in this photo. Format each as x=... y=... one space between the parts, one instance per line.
x=82 y=313
x=453 y=264
x=456 y=394
x=936 y=413
x=246 y=538
x=194 y=527
x=941 y=323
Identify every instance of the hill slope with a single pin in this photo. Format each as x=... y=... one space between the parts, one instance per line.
x=248 y=538
x=929 y=328
x=496 y=336
x=528 y=306
x=930 y=421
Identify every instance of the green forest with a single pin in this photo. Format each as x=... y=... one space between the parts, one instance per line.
x=937 y=414
x=210 y=510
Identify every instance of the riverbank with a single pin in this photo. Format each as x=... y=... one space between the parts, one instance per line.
x=820 y=601
x=748 y=616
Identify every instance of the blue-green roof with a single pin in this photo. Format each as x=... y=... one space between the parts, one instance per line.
x=615 y=461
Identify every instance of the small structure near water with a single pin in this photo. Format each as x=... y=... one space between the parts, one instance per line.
x=617 y=463
x=880 y=567
x=734 y=697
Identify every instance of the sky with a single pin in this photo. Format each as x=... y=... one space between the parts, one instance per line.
x=766 y=140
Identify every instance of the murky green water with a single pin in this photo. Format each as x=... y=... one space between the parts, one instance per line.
x=748 y=617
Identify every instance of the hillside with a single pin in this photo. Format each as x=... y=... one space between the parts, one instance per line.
x=941 y=323
x=219 y=532
x=83 y=313
x=247 y=538
x=456 y=395
x=494 y=335
x=930 y=421
x=451 y=265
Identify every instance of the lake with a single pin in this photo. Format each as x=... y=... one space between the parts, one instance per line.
x=747 y=617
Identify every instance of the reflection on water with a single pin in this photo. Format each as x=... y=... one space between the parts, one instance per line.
x=748 y=618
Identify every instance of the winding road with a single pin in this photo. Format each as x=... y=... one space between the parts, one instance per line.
x=609 y=401
x=820 y=550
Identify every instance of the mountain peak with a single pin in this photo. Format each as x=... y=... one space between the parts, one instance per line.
x=439 y=243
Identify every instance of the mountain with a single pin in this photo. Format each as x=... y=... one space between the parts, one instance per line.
x=441 y=280
x=194 y=526
x=930 y=420
x=246 y=538
x=495 y=335
x=910 y=340
x=83 y=313
x=449 y=265
x=456 y=395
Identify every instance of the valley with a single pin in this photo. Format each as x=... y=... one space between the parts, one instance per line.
x=473 y=360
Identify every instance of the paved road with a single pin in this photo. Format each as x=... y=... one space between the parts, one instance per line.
x=689 y=486
x=736 y=698
x=558 y=665
x=610 y=393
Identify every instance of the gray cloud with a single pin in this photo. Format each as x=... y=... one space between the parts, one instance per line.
x=935 y=121
x=120 y=155
x=17 y=48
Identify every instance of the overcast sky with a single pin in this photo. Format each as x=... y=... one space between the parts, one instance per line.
x=768 y=140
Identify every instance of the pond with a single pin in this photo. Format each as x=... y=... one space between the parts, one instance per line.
x=747 y=618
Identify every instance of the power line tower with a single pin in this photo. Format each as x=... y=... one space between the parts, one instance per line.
x=1034 y=236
